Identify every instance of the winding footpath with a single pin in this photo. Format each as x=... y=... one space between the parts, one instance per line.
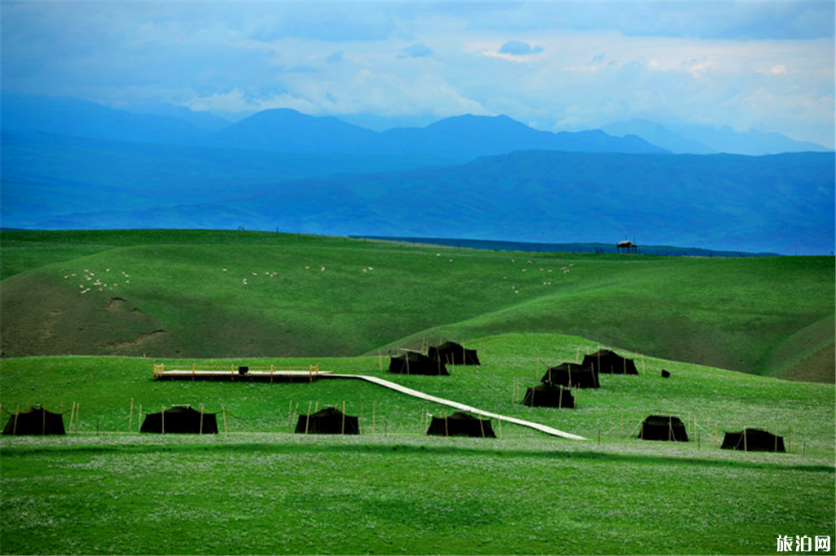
x=456 y=405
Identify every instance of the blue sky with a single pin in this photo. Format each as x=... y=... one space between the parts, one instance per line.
x=553 y=65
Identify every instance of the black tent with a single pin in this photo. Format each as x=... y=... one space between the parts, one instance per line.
x=545 y=395
x=328 y=421
x=571 y=375
x=663 y=427
x=753 y=440
x=461 y=424
x=453 y=354
x=414 y=363
x=182 y=420
x=609 y=362
x=36 y=421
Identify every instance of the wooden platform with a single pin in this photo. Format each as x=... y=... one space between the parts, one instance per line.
x=234 y=374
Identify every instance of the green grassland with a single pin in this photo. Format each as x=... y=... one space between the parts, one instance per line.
x=239 y=294
x=179 y=298
x=392 y=490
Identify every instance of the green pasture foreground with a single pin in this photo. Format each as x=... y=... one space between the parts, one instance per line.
x=170 y=293
x=392 y=490
x=290 y=494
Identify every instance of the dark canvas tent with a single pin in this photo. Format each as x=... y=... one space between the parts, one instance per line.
x=414 y=363
x=607 y=361
x=181 y=420
x=461 y=424
x=571 y=375
x=663 y=427
x=453 y=354
x=545 y=395
x=753 y=440
x=35 y=420
x=328 y=421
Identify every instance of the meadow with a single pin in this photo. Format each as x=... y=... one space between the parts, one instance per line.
x=229 y=299
x=243 y=294
x=261 y=489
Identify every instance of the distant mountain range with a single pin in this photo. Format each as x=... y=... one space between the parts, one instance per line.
x=782 y=203
x=694 y=139
x=70 y=164
x=456 y=138
x=282 y=130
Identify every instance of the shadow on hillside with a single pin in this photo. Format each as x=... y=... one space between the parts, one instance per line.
x=406 y=450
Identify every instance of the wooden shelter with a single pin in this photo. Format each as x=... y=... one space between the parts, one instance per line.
x=626 y=247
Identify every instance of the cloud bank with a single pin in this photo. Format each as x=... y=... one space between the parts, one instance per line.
x=763 y=65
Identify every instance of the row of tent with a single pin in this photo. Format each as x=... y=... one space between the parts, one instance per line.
x=670 y=428
x=435 y=362
x=555 y=383
x=187 y=420
x=330 y=420
x=585 y=374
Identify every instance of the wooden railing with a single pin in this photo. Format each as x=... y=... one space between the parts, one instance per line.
x=312 y=370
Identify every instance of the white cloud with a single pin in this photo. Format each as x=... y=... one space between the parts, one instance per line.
x=774 y=70
x=557 y=64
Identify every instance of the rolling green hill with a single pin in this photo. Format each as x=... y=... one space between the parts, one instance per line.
x=237 y=294
x=260 y=490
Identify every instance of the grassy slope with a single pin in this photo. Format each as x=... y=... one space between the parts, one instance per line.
x=403 y=492
x=743 y=314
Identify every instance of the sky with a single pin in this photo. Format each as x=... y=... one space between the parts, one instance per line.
x=767 y=66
